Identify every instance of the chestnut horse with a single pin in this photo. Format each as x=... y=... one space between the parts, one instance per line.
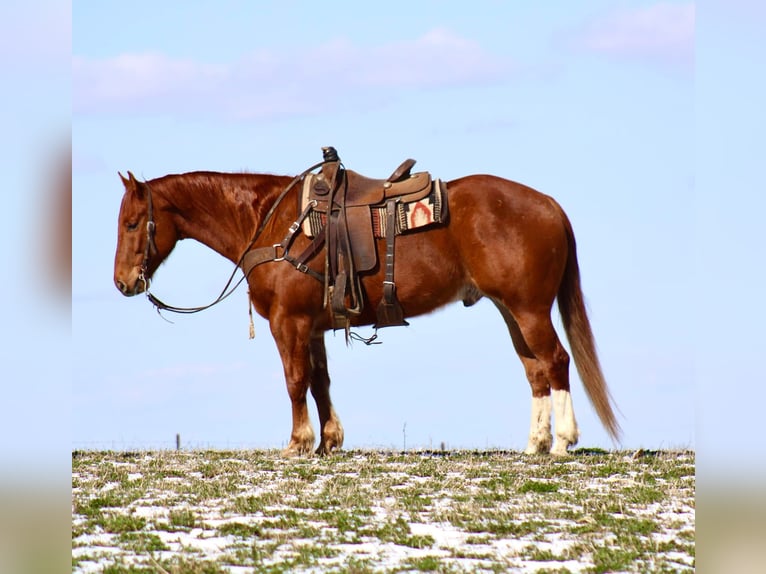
x=502 y=240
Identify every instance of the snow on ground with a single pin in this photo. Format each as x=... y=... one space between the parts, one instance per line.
x=376 y=511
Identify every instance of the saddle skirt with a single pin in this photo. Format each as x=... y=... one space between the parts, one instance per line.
x=413 y=211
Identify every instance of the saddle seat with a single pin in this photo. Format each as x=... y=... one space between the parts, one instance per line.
x=366 y=191
x=361 y=190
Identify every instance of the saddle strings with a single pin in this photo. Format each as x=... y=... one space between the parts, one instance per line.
x=227 y=291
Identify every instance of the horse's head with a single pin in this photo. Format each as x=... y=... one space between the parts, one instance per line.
x=145 y=236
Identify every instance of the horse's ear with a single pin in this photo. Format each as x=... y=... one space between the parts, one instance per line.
x=131 y=183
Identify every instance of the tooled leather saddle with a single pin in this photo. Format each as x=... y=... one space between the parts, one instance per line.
x=347 y=212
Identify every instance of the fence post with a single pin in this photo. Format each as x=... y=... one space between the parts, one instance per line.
x=178 y=441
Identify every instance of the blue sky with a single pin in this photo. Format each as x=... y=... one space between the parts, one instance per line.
x=590 y=102
x=596 y=103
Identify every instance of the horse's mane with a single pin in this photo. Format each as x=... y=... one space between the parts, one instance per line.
x=248 y=195
x=240 y=186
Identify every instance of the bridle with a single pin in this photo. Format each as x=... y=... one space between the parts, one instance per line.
x=263 y=255
x=151 y=246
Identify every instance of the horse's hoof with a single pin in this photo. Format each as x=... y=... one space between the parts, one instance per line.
x=294 y=451
x=324 y=450
x=538 y=447
x=560 y=449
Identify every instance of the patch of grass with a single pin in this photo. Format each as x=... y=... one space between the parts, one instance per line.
x=413 y=500
x=539 y=487
x=355 y=565
x=122 y=568
x=110 y=472
x=504 y=528
x=419 y=541
x=431 y=467
x=612 y=559
x=534 y=552
x=180 y=520
x=342 y=492
x=200 y=490
x=626 y=525
x=498 y=522
x=186 y=565
x=642 y=495
x=209 y=470
x=92 y=507
x=348 y=524
x=127 y=456
x=250 y=554
x=675 y=546
x=254 y=504
x=309 y=554
x=611 y=467
x=399 y=532
x=119 y=523
x=141 y=542
x=304 y=471
x=283 y=519
x=243 y=555
x=676 y=472
x=239 y=529
x=688 y=535
x=427 y=564
x=489 y=498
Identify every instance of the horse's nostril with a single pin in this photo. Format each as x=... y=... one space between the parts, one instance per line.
x=120 y=285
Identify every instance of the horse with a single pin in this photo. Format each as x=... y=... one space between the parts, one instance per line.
x=502 y=240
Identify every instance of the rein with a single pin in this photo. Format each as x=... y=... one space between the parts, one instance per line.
x=257 y=256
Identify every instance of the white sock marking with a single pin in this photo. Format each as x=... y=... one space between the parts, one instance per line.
x=567 y=432
x=540 y=427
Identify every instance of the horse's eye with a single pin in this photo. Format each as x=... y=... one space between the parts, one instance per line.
x=132 y=226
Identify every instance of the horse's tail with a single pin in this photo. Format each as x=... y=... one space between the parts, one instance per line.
x=577 y=326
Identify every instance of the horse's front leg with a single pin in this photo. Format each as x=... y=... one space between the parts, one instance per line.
x=331 y=429
x=293 y=335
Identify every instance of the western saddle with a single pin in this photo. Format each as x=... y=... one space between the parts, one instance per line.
x=346 y=213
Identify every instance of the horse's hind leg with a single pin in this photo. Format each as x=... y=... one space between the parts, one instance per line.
x=547 y=367
x=540 y=438
x=331 y=429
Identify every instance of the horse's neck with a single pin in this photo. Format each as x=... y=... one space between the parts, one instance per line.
x=223 y=210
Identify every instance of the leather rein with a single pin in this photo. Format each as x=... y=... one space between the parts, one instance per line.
x=250 y=258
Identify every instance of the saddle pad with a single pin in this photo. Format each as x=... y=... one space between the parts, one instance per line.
x=411 y=215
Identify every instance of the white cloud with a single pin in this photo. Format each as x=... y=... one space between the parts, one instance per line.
x=438 y=58
x=661 y=33
x=271 y=83
x=140 y=81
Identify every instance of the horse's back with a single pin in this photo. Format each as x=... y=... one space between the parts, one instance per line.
x=499 y=195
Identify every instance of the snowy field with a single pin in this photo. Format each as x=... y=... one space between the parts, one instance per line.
x=370 y=511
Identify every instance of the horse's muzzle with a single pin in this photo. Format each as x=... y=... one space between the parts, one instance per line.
x=128 y=291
